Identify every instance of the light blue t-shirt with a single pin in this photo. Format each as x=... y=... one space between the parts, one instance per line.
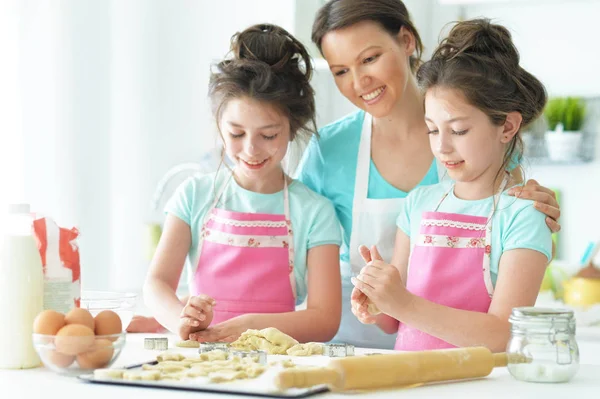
x=516 y=224
x=314 y=222
x=329 y=168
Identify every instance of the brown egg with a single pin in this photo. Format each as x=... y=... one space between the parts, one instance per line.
x=98 y=357
x=74 y=339
x=59 y=359
x=48 y=322
x=108 y=322
x=80 y=316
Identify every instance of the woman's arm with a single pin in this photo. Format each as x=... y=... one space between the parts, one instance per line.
x=165 y=271
x=519 y=281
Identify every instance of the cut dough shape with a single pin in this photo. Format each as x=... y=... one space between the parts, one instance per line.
x=163 y=357
x=173 y=376
x=286 y=364
x=271 y=340
x=187 y=344
x=213 y=355
x=308 y=349
x=165 y=369
x=109 y=373
x=227 y=376
x=254 y=370
x=141 y=375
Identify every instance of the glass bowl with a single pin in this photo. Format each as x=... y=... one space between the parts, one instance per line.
x=70 y=355
x=122 y=303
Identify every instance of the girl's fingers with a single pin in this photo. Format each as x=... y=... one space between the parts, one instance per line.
x=190 y=311
x=208 y=335
x=208 y=299
x=365 y=288
x=375 y=253
x=202 y=302
x=367 y=279
x=365 y=253
x=190 y=321
x=356 y=295
x=358 y=283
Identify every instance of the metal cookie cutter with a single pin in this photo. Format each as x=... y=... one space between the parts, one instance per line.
x=161 y=344
x=259 y=357
x=338 y=350
x=213 y=346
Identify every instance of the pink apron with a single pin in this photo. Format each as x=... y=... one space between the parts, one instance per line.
x=449 y=265
x=246 y=262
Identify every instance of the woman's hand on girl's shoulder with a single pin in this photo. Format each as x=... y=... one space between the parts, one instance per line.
x=544 y=201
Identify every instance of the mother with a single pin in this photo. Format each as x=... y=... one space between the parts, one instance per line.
x=368 y=161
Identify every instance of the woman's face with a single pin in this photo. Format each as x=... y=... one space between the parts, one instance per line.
x=371 y=67
x=256 y=137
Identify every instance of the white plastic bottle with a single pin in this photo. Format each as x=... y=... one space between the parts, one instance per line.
x=21 y=288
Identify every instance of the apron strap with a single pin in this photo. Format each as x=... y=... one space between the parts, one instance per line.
x=487 y=270
x=288 y=221
x=361 y=188
x=363 y=161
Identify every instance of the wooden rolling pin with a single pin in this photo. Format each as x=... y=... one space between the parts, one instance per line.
x=396 y=370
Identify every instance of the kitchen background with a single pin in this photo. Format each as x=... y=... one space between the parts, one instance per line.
x=99 y=99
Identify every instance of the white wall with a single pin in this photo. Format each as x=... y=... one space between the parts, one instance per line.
x=11 y=142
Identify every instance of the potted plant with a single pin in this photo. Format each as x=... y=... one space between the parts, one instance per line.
x=565 y=117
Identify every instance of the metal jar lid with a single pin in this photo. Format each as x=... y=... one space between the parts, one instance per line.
x=541 y=316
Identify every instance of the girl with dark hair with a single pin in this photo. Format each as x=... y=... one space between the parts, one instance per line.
x=260 y=241
x=367 y=162
x=475 y=252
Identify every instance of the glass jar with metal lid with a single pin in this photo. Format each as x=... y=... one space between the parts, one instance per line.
x=542 y=345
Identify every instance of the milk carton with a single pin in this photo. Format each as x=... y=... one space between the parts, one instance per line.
x=60 y=258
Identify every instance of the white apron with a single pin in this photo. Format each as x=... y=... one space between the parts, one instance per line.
x=373 y=223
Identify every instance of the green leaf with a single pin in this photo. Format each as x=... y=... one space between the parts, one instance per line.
x=570 y=111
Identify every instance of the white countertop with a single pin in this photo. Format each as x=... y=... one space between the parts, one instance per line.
x=499 y=384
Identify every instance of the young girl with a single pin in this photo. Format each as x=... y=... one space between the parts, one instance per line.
x=476 y=252
x=260 y=242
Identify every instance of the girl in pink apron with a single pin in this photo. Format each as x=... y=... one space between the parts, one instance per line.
x=259 y=241
x=462 y=235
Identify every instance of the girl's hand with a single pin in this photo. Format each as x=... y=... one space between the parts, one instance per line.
x=382 y=284
x=360 y=307
x=227 y=331
x=196 y=315
x=544 y=201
